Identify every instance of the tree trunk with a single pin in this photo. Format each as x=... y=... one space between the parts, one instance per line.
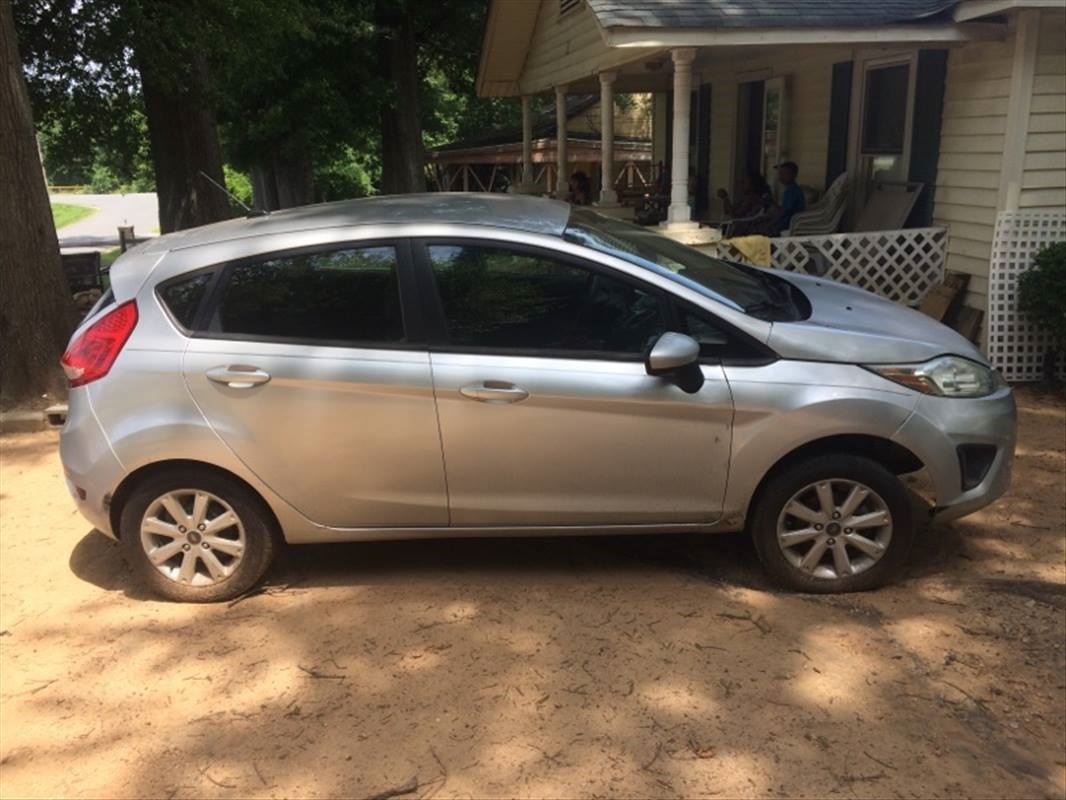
x=284 y=180
x=36 y=310
x=184 y=140
x=402 y=158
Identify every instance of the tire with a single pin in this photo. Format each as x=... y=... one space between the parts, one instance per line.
x=874 y=552
x=228 y=558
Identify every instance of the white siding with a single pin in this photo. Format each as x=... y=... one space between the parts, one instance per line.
x=568 y=48
x=972 y=136
x=1044 y=176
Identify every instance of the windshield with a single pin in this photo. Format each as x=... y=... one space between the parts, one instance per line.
x=756 y=292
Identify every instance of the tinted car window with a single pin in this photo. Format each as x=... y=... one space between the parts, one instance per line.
x=715 y=340
x=496 y=298
x=183 y=297
x=349 y=295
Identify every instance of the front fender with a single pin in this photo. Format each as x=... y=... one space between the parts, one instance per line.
x=783 y=406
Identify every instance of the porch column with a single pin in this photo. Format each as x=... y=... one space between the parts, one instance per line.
x=608 y=196
x=679 y=211
x=562 y=177
x=527 y=139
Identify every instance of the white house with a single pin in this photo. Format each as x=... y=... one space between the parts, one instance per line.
x=965 y=97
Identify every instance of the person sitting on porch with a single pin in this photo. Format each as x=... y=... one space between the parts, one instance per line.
x=792 y=199
x=580 y=189
x=753 y=199
x=779 y=215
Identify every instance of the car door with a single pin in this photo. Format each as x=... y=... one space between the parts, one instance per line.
x=547 y=415
x=309 y=365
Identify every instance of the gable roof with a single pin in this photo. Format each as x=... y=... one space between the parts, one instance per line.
x=763 y=13
x=544 y=127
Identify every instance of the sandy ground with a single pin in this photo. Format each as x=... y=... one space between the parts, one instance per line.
x=640 y=667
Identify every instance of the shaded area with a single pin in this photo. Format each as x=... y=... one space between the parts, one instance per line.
x=642 y=666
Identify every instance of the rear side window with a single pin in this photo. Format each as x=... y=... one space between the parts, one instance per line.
x=346 y=296
x=183 y=297
x=501 y=299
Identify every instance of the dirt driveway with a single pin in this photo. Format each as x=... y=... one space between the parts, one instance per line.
x=641 y=667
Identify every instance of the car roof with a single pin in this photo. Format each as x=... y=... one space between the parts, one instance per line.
x=514 y=212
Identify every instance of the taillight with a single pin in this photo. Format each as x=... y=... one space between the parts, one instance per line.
x=91 y=355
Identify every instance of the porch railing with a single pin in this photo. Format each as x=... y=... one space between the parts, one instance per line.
x=901 y=265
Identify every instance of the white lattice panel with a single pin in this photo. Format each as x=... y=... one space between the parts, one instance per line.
x=1015 y=346
x=899 y=265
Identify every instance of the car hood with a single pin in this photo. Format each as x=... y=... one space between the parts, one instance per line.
x=855 y=326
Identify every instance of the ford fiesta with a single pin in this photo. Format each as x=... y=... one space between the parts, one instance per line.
x=488 y=365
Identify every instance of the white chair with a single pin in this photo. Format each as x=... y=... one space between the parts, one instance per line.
x=824 y=216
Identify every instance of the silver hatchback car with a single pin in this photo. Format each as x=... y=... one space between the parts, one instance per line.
x=488 y=365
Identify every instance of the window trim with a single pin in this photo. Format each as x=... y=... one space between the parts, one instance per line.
x=437 y=327
x=410 y=301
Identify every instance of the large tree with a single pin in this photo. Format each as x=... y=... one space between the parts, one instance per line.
x=97 y=62
x=36 y=310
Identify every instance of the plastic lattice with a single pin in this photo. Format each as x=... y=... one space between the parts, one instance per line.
x=1014 y=345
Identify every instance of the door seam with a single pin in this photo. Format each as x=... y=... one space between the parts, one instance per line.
x=440 y=438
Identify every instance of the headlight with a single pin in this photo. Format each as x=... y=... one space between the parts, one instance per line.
x=945 y=376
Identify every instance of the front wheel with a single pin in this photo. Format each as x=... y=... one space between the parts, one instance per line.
x=834 y=523
x=196 y=536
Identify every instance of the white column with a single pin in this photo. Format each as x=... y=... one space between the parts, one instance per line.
x=608 y=196
x=679 y=211
x=527 y=139
x=562 y=177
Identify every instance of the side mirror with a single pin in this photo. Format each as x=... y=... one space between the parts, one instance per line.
x=678 y=356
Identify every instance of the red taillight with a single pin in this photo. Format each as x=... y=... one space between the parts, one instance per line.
x=91 y=355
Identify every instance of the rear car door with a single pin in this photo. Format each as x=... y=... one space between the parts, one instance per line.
x=310 y=366
x=547 y=414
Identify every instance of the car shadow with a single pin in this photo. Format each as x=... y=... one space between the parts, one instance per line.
x=719 y=558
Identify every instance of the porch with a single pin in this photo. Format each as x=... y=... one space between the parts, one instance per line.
x=957 y=103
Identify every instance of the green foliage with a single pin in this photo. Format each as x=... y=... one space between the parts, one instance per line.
x=64 y=214
x=350 y=174
x=238 y=184
x=1042 y=292
x=288 y=81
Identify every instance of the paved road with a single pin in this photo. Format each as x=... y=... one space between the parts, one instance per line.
x=99 y=231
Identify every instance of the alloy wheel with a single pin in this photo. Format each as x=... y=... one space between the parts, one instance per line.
x=192 y=537
x=834 y=528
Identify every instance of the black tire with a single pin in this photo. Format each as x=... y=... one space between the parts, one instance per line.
x=781 y=487
x=261 y=538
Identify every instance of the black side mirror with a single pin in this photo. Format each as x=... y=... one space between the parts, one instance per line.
x=676 y=356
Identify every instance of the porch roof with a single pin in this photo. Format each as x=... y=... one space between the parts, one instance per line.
x=763 y=13
x=528 y=47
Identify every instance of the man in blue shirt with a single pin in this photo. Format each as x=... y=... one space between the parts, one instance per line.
x=792 y=199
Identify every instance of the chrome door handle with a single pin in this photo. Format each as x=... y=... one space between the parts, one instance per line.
x=494 y=392
x=238 y=376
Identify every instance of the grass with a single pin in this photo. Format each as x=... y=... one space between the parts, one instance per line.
x=107 y=257
x=64 y=214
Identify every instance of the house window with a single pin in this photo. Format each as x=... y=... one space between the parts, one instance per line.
x=885 y=109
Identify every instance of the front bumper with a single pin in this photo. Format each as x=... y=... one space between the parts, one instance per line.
x=936 y=429
x=91 y=469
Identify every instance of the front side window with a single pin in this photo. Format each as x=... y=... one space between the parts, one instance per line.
x=758 y=293
x=345 y=296
x=501 y=299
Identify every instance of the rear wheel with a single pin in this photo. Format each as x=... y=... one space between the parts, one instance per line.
x=197 y=536
x=834 y=523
